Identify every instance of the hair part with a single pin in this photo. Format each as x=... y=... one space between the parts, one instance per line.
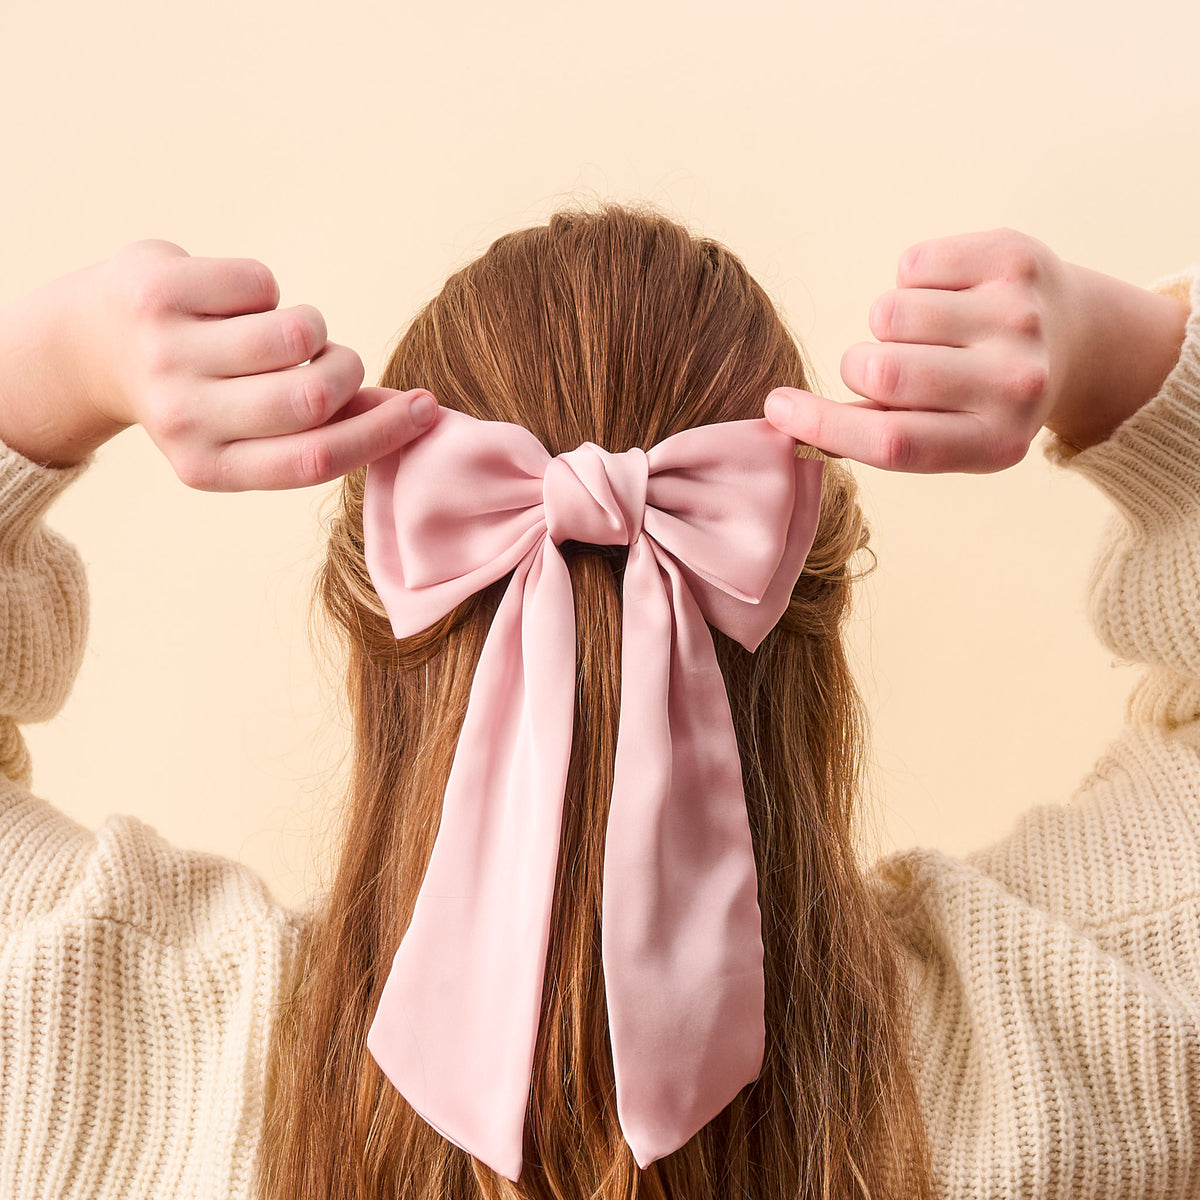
x=620 y=327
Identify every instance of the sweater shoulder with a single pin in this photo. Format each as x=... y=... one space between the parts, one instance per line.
x=140 y=983
x=55 y=869
x=136 y=876
x=1123 y=849
x=1049 y=1019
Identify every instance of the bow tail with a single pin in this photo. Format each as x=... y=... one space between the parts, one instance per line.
x=682 y=931
x=457 y=1020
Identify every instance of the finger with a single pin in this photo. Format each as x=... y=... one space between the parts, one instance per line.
x=932 y=317
x=899 y=375
x=383 y=421
x=287 y=401
x=255 y=342
x=219 y=287
x=780 y=412
x=892 y=440
x=961 y=260
x=154 y=248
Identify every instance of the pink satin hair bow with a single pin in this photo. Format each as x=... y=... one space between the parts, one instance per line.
x=718 y=520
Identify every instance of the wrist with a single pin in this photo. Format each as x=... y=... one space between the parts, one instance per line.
x=1131 y=339
x=46 y=410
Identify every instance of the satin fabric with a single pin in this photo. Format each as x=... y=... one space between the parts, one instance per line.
x=718 y=520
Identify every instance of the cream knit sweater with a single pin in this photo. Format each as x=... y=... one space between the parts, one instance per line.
x=1056 y=973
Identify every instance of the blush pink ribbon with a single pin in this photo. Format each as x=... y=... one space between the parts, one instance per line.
x=718 y=520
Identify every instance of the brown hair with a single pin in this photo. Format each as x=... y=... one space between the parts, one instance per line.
x=620 y=327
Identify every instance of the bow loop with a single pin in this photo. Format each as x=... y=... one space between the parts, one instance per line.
x=719 y=520
x=717 y=506
x=450 y=513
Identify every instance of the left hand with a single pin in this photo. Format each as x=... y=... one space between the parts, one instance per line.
x=237 y=396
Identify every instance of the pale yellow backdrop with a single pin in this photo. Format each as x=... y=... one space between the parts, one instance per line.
x=363 y=151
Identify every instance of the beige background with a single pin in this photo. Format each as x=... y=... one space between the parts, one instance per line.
x=365 y=151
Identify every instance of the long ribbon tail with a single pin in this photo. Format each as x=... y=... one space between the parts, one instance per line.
x=682 y=931
x=457 y=1020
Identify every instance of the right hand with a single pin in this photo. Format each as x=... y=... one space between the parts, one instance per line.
x=980 y=341
x=238 y=395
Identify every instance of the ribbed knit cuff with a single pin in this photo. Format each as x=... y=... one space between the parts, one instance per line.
x=27 y=489
x=1150 y=465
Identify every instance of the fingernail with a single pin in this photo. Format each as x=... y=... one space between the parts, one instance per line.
x=422 y=410
x=778 y=408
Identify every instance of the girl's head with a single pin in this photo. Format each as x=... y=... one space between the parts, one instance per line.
x=618 y=327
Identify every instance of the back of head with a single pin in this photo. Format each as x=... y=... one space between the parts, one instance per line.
x=620 y=327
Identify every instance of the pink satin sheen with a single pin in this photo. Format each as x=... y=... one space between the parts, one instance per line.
x=719 y=520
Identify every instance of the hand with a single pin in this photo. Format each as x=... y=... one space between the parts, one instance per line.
x=982 y=340
x=194 y=350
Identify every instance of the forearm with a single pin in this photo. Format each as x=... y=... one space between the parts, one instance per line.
x=45 y=413
x=1136 y=337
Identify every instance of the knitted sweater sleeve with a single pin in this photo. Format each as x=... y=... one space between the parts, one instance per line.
x=43 y=630
x=1129 y=840
x=139 y=980
x=1056 y=972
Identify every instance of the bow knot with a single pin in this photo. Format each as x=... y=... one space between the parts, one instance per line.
x=719 y=520
x=591 y=495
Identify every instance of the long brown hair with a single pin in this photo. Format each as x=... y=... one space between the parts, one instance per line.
x=621 y=327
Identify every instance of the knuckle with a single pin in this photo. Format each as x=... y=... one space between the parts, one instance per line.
x=883 y=376
x=1024 y=319
x=1025 y=265
x=882 y=318
x=1028 y=386
x=909 y=261
x=316 y=326
x=1021 y=260
x=147 y=254
x=314 y=462
x=314 y=401
x=159 y=246
x=896 y=449
x=299 y=337
x=169 y=419
x=148 y=294
x=265 y=283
